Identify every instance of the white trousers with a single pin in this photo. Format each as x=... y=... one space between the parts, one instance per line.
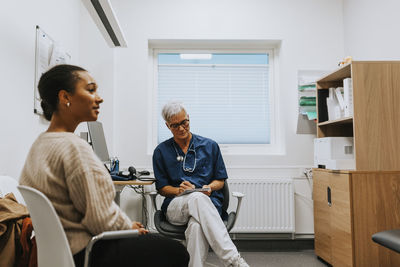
x=205 y=228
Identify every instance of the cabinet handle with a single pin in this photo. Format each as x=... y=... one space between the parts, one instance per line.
x=328 y=193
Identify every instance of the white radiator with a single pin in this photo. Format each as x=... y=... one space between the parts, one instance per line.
x=268 y=205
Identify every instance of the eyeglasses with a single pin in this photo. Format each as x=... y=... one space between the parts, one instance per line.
x=184 y=124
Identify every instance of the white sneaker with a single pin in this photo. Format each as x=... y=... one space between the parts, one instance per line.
x=239 y=262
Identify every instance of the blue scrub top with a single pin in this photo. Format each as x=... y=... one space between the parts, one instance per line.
x=209 y=166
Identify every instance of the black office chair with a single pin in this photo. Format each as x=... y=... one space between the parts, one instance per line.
x=178 y=232
x=389 y=239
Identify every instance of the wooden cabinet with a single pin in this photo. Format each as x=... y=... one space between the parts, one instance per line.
x=332 y=217
x=350 y=206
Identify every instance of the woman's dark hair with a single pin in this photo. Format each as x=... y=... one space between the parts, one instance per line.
x=60 y=77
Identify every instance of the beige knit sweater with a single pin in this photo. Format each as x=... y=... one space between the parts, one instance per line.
x=65 y=168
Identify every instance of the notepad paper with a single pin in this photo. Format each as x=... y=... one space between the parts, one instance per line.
x=188 y=191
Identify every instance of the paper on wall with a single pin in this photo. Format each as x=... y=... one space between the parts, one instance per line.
x=58 y=55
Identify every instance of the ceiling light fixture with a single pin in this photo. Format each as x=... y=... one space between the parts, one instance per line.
x=196 y=56
x=104 y=17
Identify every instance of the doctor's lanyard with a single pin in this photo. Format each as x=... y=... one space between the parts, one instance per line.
x=181 y=158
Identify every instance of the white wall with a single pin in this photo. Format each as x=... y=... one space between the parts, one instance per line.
x=312 y=38
x=19 y=125
x=311 y=33
x=371 y=29
x=98 y=58
x=65 y=21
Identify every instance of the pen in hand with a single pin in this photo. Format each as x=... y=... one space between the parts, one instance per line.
x=186 y=185
x=182 y=187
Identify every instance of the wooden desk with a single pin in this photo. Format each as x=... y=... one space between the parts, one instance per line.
x=132 y=182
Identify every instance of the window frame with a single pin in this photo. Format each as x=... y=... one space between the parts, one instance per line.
x=274 y=148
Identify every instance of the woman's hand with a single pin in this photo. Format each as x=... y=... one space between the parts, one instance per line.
x=137 y=225
x=208 y=193
x=140 y=227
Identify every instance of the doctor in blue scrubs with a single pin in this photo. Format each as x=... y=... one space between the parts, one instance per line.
x=188 y=161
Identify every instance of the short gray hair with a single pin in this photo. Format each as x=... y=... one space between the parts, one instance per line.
x=171 y=109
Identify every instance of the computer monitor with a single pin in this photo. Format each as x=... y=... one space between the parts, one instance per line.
x=99 y=144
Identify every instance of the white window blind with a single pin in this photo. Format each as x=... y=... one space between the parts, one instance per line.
x=228 y=103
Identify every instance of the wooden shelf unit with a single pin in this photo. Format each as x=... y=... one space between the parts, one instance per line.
x=347 y=120
x=375 y=124
x=350 y=206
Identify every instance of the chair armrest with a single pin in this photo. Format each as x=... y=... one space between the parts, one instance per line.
x=153 y=196
x=239 y=197
x=116 y=234
x=238 y=194
x=389 y=239
x=106 y=236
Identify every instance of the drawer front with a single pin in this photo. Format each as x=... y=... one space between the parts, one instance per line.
x=322 y=231
x=341 y=220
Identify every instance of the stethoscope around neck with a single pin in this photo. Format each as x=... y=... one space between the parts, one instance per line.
x=181 y=158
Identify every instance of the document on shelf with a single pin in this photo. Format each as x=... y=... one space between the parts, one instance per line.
x=188 y=191
x=348 y=97
x=339 y=96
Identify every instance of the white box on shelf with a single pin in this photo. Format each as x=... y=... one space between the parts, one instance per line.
x=335 y=153
x=339 y=113
x=348 y=97
x=335 y=104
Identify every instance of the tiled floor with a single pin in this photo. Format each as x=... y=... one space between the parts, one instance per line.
x=304 y=258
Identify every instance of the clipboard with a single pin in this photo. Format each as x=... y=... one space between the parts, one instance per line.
x=188 y=191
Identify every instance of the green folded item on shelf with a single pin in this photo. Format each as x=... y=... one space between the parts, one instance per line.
x=312 y=115
x=305 y=109
x=307 y=87
x=307 y=102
